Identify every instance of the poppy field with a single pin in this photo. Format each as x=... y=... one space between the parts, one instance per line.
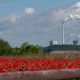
x=16 y=65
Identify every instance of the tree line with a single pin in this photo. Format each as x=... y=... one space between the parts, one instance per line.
x=25 y=48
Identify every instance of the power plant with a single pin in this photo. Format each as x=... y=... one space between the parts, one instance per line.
x=54 y=46
x=62 y=47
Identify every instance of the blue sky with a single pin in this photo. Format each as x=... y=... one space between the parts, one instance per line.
x=8 y=7
x=38 y=21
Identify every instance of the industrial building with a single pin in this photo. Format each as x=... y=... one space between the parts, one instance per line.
x=54 y=46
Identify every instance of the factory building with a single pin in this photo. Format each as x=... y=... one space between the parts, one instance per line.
x=54 y=46
x=53 y=43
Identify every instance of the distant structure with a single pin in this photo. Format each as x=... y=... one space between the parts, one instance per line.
x=62 y=32
x=54 y=46
x=53 y=43
x=75 y=42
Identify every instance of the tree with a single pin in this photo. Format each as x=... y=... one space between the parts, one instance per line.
x=24 y=45
x=24 y=48
x=27 y=48
x=36 y=49
x=5 y=48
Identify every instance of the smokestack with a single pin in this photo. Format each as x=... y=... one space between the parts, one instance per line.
x=65 y=20
x=69 y=18
x=62 y=33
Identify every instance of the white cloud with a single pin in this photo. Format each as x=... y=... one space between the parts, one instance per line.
x=77 y=5
x=29 y=27
x=70 y=13
x=11 y=18
x=29 y=10
x=14 y=18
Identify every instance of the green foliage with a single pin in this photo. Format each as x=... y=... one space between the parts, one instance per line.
x=25 y=48
x=29 y=49
x=5 y=48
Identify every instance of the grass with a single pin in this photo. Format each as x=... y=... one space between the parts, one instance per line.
x=52 y=55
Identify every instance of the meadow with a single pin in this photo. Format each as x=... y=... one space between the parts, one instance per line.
x=40 y=62
x=29 y=61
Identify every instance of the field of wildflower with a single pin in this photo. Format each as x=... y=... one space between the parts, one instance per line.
x=15 y=65
x=43 y=66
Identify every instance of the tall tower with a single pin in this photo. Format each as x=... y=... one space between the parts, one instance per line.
x=62 y=32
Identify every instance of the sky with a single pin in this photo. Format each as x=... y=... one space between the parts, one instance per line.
x=39 y=21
